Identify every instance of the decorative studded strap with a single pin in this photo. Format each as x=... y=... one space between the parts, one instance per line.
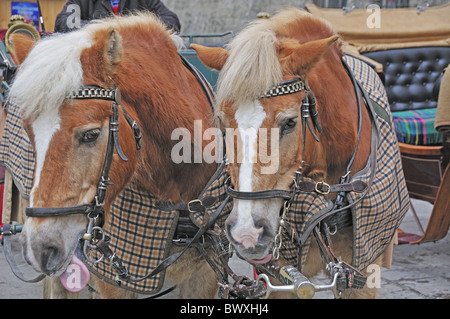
x=286 y=87
x=93 y=92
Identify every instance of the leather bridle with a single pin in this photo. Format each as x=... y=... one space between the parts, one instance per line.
x=94 y=238
x=308 y=112
x=348 y=276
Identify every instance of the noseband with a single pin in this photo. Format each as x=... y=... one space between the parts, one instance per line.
x=95 y=211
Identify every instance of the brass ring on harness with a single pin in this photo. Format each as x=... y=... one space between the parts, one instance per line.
x=193 y=202
x=319 y=188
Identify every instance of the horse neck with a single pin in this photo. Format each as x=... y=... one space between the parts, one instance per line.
x=338 y=111
x=166 y=97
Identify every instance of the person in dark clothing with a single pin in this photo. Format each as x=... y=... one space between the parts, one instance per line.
x=77 y=13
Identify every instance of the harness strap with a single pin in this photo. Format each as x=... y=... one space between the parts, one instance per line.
x=206 y=86
x=348 y=277
x=276 y=193
x=57 y=211
x=304 y=186
x=196 y=205
x=324 y=188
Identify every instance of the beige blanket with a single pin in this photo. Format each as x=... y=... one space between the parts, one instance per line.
x=398 y=28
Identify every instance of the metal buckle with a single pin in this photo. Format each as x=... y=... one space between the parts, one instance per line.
x=192 y=202
x=319 y=188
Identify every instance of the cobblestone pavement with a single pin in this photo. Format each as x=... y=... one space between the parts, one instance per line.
x=417 y=272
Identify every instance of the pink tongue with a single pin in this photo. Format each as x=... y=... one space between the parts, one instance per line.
x=76 y=276
x=261 y=261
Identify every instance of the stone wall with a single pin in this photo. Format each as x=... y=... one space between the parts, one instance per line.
x=218 y=16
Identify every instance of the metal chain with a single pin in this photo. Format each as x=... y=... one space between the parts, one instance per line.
x=278 y=242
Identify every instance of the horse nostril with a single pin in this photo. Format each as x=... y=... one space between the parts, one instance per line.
x=248 y=238
x=248 y=241
x=51 y=259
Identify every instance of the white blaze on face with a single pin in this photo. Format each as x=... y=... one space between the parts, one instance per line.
x=44 y=127
x=249 y=118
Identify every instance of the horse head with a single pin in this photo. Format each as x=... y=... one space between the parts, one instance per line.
x=70 y=138
x=272 y=68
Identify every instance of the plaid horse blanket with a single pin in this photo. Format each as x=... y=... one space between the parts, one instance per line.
x=140 y=232
x=378 y=214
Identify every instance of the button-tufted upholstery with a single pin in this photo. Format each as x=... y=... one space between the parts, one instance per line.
x=412 y=79
x=412 y=75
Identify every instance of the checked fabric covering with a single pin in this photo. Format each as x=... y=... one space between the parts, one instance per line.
x=140 y=232
x=16 y=151
x=378 y=215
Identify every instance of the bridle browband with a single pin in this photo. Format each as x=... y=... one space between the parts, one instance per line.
x=286 y=87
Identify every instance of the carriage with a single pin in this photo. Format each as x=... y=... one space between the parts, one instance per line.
x=343 y=274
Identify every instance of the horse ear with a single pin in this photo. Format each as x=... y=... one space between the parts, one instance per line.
x=21 y=45
x=114 y=48
x=300 y=58
x=212 y=57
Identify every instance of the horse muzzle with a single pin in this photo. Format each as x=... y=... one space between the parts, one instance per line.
x=250 y=243
x=46 y=248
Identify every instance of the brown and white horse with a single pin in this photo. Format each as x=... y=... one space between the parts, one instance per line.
x=139 y=56
x=291 y=45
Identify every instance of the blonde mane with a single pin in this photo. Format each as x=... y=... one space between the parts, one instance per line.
x=253 y=66
x=53 y=69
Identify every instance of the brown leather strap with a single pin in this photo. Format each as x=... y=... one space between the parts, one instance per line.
x=275 y=193
x=307 y=186
x=349 y=276
x=196 y=205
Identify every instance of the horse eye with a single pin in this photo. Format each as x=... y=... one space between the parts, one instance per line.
x=288 y=126
x=89 y=136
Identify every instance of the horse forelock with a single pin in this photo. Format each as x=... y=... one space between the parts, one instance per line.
x=253 y=66
x=51 y=70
